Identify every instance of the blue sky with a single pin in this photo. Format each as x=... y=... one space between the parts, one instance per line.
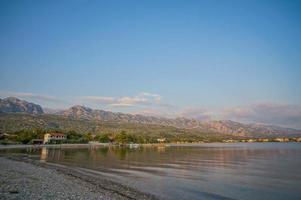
x=191 y=58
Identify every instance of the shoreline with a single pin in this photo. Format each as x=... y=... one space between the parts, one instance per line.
x=88 y=184
x=22 y=146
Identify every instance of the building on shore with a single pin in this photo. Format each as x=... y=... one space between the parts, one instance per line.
x=230 y=141
x=161 y=140
x=54 y=138
x=281 y=139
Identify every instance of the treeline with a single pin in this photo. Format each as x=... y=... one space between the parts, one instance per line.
x=22 y=136
x=28 y=135
x=121 y=138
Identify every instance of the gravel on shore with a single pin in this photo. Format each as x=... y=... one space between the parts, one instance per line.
x=23 y=178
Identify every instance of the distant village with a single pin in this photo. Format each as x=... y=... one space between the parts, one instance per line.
x=123 y=138
x=280 y=139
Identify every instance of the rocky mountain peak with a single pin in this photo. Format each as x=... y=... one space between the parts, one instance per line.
x=78 y=111
x=13 y=104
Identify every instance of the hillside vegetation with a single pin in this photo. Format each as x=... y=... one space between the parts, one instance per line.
x=12 y=123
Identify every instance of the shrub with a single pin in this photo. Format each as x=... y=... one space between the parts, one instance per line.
x=104 y=138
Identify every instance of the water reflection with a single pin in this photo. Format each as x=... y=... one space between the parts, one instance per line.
x=161 y=149
x=174 y=157
x=247 y=171
x=44 y=154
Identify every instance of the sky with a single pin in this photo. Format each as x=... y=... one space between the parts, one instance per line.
x=204 y=59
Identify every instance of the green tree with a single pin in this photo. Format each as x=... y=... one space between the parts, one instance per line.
x=25 y=136
x=104 y=138
x=88 y=137
x=132 y=138
x=73 y=135
x=121 y=138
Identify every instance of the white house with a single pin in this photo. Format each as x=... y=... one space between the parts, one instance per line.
x=57 y=137
x=161 y=140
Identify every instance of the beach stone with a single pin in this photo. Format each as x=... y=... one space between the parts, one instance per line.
x=21 y=180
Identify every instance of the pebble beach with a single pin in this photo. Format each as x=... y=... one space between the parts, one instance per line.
x=22 y=178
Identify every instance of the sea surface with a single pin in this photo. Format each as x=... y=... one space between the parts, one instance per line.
x=244 y=171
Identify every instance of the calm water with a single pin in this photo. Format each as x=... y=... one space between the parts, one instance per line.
x=207 y=171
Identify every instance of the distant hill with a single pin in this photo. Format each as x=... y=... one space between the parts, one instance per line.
x=224 y=127
x=12 y=122
x=81 y=112
x=14 y=105
x=65 y=119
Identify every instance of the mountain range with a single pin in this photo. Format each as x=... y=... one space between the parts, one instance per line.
x=222 y=127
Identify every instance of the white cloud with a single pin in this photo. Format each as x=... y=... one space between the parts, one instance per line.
x=32 y=96
x=142 y=99
x=156 y=97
